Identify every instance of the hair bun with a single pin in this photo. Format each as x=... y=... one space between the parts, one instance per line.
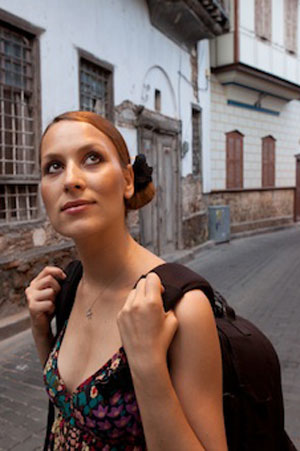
x=142 y=172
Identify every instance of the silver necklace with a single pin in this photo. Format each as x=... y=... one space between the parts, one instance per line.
x=89 y=312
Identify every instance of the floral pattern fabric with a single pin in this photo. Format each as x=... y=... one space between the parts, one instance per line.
x=101 y=414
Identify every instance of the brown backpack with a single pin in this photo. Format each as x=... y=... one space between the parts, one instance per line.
x=252 y=393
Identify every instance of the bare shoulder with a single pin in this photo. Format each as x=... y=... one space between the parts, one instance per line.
x=196 y=368
x=197 y=333
x=194 y=310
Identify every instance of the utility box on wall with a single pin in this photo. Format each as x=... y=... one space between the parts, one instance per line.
x=219 y=223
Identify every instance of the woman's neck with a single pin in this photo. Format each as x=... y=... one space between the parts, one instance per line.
x=108 y=261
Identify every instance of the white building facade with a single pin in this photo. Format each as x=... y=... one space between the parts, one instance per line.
x=255 y=114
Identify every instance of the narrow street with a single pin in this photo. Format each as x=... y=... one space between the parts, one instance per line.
x=259 y=276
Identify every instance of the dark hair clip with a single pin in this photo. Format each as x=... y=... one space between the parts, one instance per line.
x=142 y=172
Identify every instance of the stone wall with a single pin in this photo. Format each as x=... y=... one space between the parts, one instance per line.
x=252 y=209
x=194 y=212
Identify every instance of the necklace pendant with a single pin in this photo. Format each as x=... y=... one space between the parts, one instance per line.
x=89 y=313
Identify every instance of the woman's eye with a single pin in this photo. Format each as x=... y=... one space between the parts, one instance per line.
x=94 y=154
x=48 y=166
x=53 y=163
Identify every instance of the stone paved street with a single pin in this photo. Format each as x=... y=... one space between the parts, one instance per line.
x=260 y=276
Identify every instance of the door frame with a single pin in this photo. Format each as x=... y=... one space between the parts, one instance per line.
x=158 y=123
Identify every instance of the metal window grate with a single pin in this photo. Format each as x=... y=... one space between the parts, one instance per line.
x=17 y=156
x=95 y=89
x=17 y=138
x=18 y=203
x=196 y=142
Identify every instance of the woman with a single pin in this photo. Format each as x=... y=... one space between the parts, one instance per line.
x=83 y=156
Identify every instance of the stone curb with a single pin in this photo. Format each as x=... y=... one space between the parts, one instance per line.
x=13 y=324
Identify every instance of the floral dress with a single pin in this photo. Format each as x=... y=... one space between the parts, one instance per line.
x=101 y=414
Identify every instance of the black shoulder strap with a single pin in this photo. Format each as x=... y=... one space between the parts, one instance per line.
x=65 y=297
x=177 y=280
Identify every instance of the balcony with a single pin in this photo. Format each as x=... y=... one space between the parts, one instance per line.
x=188 y=21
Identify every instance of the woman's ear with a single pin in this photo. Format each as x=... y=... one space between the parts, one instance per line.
x=129 y=181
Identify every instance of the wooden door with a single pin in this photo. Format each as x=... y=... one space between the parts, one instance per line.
x=149 y=213
x=159 y=219
x=297 y=193
x=167 y=188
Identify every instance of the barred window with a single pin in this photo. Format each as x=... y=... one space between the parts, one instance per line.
x=19 y=175
x=196 y=141
x=96 y=88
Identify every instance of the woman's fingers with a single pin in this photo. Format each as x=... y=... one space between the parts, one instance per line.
x=153 y=286
x=54 y=271
x=41 y=295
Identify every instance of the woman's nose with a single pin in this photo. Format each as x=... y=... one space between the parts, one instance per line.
x=73 y=177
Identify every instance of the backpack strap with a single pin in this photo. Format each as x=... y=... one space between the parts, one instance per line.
x=65 y=298
x=177 y=280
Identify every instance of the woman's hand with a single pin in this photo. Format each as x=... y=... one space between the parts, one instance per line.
x=40 y=296
x=145 y=328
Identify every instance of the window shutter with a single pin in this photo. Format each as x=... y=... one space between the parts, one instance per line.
x=234 y=160
x=263 y=19
x=230 y=162
x=290 y=25
x=268 y=162
x=239 y=162
x=271 y=162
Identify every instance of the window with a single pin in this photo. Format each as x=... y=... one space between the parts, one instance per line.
x=234 y=159
x=268 y=161
x=263 y=19
x=157 y=100
x=19 y=169
x=290 y=25
x=96 y=92
x=196 y=141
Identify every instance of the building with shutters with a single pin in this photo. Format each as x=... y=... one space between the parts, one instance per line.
x=144 y=64
x=255 y=115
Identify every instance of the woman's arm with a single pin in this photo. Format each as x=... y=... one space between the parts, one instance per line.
x=41 y=297
x=182 y=410
x=44 y=344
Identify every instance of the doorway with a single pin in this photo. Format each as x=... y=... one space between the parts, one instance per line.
x=158 y=139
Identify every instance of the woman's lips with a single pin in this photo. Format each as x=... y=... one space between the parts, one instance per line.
x=77 y=209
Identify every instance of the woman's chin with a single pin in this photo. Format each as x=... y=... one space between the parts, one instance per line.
x=79 y=230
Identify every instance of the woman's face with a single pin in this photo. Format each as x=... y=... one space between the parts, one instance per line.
x=84 y=165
